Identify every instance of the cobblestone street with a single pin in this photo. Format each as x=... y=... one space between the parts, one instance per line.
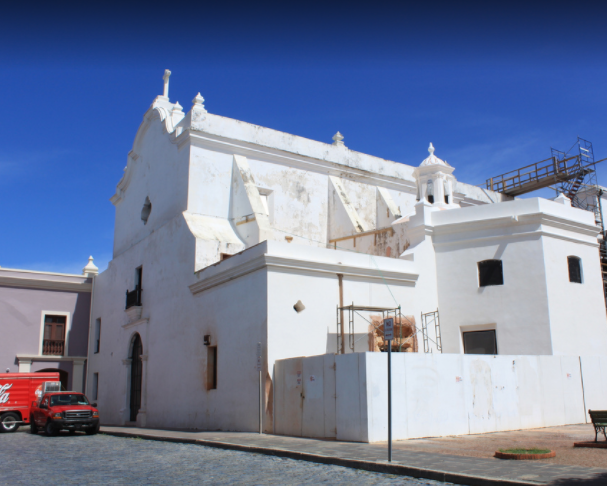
x=102 y=460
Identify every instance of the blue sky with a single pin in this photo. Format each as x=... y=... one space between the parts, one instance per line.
x=492 y=87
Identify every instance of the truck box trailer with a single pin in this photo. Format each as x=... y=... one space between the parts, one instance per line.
x=18 y=391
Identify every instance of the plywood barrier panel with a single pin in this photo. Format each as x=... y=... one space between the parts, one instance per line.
x=313 y=421
x=288 y=397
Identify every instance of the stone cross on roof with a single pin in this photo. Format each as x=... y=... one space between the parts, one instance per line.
x=167 y=75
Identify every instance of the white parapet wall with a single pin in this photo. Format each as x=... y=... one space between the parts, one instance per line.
x=437 y=395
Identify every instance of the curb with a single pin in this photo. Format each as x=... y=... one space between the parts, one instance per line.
x=379 y=467
x=592 y=445
x=521 y=457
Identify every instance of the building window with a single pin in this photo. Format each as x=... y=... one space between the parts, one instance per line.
x=133 y=297
x=97 y=335
x=54 y=335
x=430 y=191
x=211 y=367
x=95 y=386
x=575 y=269
x=480 y=342
x=490 y=273
x=146 y=210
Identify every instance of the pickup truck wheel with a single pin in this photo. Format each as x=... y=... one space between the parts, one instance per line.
x=9 y=422
x=92 y=431
x=50 y=429
x=33 y=428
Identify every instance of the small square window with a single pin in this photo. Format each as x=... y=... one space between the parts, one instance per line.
x=480 y=342
x=490 y=272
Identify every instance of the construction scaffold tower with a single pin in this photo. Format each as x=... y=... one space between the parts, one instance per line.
x=372 y=338
x=572 y=173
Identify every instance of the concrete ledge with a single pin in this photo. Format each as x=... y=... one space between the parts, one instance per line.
x=380 y=467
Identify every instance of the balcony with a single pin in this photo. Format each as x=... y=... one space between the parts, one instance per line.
x=133 y=297
x=53 y=347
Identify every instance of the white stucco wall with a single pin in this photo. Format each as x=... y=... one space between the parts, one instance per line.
x=536 y=308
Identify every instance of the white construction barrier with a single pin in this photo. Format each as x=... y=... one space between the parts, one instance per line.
x=433 y=394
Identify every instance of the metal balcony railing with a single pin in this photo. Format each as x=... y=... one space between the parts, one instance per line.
x=53 y=347
x=133 y=297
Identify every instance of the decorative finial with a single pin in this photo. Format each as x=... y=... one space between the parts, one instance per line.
x=167 y=75
x=338 y=139
x=91 y=269
x=198 y=100
x=177 y=106
x=431 y=149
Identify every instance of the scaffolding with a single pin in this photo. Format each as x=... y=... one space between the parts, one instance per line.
x=569 y=171
x=353 y=310
x=585 y=180
x=572 y=173
x=433 y=319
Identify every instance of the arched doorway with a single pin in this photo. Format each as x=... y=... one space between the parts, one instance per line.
x=136 y=372
x=62 y=376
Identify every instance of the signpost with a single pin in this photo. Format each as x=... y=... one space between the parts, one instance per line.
x=388 y=336
x=260 y=394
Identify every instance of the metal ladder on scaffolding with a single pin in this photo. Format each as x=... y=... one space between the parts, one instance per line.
x=432 y=319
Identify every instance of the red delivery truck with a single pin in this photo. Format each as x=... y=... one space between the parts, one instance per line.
x=18 y=391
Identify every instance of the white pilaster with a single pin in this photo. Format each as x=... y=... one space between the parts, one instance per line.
x=25 y=365
x=142 y=414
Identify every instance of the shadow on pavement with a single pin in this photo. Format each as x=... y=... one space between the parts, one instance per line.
x=598 y=480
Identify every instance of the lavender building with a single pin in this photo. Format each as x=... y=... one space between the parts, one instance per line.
x=44 y=321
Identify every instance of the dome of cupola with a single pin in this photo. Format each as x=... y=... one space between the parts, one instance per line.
x=433 y=159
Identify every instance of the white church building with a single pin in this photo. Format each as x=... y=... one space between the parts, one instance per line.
x=229 y=234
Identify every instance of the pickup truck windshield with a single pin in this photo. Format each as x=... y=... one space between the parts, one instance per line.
x=68 y=399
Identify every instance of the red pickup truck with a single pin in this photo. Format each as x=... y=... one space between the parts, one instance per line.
x=69 y=411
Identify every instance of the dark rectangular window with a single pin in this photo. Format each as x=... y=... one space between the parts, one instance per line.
x=138 y=277
x=97 y=335
x=490 y=273
x=212 y=367
x=133 y=297
x=95 y=386
x=575 y=269
x=480 y=342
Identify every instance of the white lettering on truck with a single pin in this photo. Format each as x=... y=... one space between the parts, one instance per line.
x=4 y=395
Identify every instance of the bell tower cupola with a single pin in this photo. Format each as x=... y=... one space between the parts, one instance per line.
x=435 y=180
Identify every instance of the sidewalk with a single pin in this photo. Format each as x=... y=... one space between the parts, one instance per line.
x=452 y=468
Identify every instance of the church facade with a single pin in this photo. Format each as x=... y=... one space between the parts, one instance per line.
x=235 y=244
